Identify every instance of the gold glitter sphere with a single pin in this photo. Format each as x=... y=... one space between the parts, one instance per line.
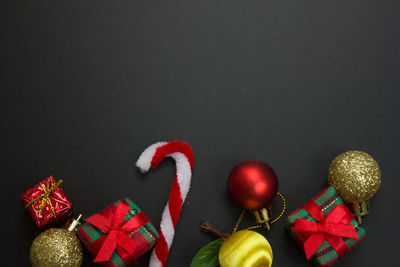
x=56 y=247
x=355 y=175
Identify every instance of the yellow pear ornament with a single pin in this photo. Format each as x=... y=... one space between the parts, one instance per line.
x=245 y=248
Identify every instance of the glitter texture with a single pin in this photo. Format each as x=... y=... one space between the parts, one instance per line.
x=56 y=247
x=355 y=175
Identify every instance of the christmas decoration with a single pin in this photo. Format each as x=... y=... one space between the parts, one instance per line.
x=151 y=158
x=46 y=202
x=356 y=176
x=119 y=234
x=244 y=248
x=253 y=184
x=57 y=247
x=325 y=228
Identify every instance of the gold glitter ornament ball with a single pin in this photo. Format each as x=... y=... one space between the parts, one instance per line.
x=355 y=175
x=56 y=247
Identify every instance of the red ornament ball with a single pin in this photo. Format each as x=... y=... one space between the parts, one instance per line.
x=253 y=184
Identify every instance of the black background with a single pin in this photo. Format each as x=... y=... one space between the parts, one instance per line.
x=87 y=85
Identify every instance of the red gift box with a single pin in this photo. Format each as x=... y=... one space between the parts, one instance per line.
x=119 y=235
x=46 y=203
x=325 y=228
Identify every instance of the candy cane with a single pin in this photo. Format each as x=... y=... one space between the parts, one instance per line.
x=183 y=156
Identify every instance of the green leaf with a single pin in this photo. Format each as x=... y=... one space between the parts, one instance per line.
x=208 y=256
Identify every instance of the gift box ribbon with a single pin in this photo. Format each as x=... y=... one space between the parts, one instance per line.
x=330 y=228
x=45 y=196
x=116 y=236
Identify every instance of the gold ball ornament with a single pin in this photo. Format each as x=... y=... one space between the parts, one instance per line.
x=355 y=175
x=245 y=248
x=56 y=247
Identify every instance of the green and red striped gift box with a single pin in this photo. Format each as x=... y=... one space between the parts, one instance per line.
x=327 y=200
x=145 y=236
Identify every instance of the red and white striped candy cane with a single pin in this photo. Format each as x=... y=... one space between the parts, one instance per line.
x=183 y=156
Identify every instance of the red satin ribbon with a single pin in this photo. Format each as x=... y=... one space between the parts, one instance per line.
x=116 y=236
x=330 y=228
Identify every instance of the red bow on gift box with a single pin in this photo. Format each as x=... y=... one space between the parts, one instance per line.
x=330 y=228
x=116 y=236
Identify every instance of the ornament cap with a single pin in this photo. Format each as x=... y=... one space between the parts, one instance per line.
x=263 y=216
x=360 y=210
x=74 y=225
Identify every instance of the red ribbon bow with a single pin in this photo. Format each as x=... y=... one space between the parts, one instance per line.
x=330 y=228
x=116 y=236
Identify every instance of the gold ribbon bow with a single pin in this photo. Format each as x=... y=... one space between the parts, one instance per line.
x=45 y=197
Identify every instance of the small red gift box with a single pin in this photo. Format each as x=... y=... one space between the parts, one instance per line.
x=325 y=228
x=46 y=202
x=118 y=235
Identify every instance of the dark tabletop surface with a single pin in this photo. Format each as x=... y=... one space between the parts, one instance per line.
x=87 y=85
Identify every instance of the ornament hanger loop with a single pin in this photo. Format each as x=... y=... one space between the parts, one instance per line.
x=283 y=209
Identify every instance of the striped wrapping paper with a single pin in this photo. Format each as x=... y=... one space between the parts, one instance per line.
x=325 y=254
x=145 y=236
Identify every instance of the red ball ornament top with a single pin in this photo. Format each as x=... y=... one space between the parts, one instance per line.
x=253 y=184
